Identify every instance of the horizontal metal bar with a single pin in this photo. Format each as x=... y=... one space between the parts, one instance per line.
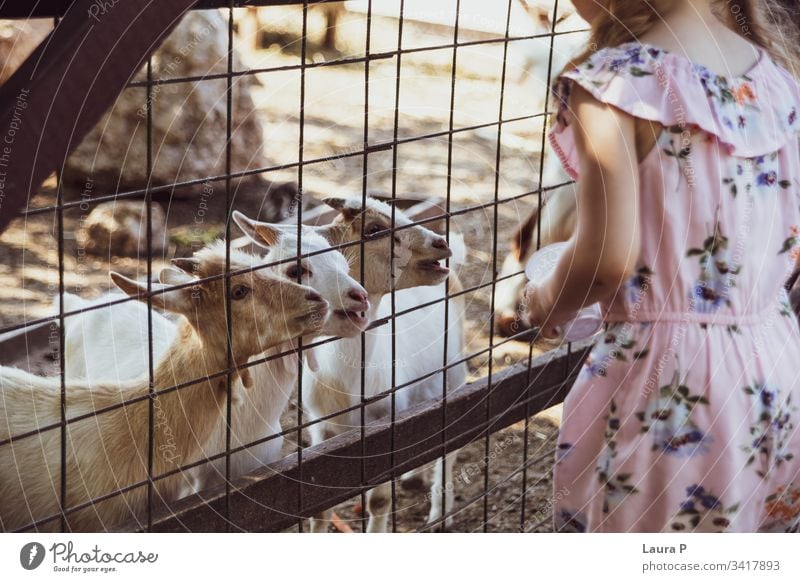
x=259 y=361
x=141 y=192
x=266 y=500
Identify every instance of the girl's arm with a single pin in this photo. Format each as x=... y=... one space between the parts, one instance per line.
x=603 y=252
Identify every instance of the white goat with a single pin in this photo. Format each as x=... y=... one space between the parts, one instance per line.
x=92 y=352
x=257 y=413
x=535 y=52
x=108 y=452
x=419 y=339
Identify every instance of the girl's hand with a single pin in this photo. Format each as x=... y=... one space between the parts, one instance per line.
x=540 y=313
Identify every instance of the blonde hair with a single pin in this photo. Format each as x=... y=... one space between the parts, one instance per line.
x=755 y=20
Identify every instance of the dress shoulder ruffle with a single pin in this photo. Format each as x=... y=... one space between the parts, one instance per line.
x=751 y=114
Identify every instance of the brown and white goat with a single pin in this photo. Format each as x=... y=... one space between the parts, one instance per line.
x=257 y=414
x=418 y=279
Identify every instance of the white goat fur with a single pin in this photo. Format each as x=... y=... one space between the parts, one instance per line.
x=111 y=343
x=258 y=411
x=535 y=52
x=558 y=220
x=259 y=414
x=419 y=337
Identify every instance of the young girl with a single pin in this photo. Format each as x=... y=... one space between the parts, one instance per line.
x=681 y=123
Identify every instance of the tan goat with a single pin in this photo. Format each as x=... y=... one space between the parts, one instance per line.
x=109 y=452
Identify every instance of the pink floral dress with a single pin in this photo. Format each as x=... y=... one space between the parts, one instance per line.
x=685 y=415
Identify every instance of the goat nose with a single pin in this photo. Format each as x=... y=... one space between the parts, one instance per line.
x=440 y=243
x=358 y=295
x=314 y=296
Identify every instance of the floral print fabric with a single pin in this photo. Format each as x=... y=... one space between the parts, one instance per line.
x=685 y=414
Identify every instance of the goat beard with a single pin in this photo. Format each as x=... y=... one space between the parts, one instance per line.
x=311 y=355
x=245 y=377
x=242 y=374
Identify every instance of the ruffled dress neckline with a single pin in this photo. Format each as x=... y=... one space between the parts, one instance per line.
x=701 y=69
x=751 y=114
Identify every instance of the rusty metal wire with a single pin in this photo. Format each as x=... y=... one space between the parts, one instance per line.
x=445 y=439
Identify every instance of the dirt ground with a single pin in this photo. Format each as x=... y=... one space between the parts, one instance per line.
x=334 y=118
x=503 y=505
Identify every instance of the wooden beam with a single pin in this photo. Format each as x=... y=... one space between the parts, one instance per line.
x=61 y=91
x=52 y=8
x=269 y=499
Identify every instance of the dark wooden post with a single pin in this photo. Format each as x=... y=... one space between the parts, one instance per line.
x=60 y=92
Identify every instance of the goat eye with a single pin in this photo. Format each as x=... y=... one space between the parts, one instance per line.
x=374 y=229
x=296 y=271
x=240 y=292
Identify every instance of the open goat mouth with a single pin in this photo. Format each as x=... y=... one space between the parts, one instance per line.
x=314 y=315
x=433 y=265
x=355 y=317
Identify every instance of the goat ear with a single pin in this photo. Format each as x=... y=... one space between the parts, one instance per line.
x=267 y=235
x=175 y=300
x=170 y=276
x=263 y=234
x=349 y=208
x=330 y=232
x=335 y=202
x=244 y=222
x=522 y=240
x=138 y=290
x=190 y=266
x=129 y=286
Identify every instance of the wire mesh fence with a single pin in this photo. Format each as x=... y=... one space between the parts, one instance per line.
x=374 y=314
